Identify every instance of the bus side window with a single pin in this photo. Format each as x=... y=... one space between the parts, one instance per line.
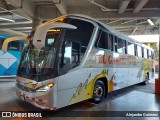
x=21 y=44
x=145 y=53
x=150 y=54
x=110 y=42
x=98 y=38
x=142 y=52
x=121 y=46
x=116 y=43
x=139 y=51
x=1 y=43
x=125 y=43
x=135 y=50
x=130 y=49
x=103 y=41
x=13 y=46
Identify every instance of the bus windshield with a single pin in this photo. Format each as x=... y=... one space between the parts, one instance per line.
x=40 y=62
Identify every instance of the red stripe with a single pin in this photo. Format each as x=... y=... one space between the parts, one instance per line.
x=39 y=107
x=47 y=108
x=33 y=98
x=40 y=100
x=27 y=97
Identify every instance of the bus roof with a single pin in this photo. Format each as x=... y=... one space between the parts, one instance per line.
x=114 y=32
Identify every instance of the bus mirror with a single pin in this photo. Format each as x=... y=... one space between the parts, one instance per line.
x=8 y=40
x=41 y=31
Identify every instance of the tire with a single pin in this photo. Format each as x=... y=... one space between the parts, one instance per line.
x=146 y=80
x=98 y=92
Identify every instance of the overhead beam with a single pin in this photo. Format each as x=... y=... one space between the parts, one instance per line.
x=126 y=25
x=62 y=7
x=142 y=22
x=15 y=26
x=12 y=32
x=123 y=5
x=139 y=5
x=134 y=30
x=5 y=13
x=95 y=12
x=22 y=28
x=149 y=27
x=114 y=21
x=103 y=8
x=27 y=10
x=15 y=3
x=3 y=4
x=121 y=30
x=16 y=22
x=128 y=21
x=24 y=31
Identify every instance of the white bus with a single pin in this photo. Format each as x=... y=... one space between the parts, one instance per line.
x=74 y=58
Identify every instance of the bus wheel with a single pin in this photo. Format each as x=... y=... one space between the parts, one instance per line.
x=146 y=81
x=98 y=92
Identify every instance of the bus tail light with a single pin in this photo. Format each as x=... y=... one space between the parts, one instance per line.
x=45 y=88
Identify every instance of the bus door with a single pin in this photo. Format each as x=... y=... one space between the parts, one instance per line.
x=72 y=80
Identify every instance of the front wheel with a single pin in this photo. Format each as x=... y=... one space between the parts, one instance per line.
x=98 y=92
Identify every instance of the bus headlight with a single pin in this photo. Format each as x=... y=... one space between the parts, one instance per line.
x=45 y=88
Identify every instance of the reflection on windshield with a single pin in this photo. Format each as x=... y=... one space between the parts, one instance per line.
x=40 y=61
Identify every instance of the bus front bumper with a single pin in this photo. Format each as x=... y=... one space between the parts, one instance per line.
x=39 y=100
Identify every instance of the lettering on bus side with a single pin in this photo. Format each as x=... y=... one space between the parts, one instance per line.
x=101 y=59
x=111 y=60
x=121 y=60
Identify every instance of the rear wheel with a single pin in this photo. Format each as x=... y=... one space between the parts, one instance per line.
x=98 y=92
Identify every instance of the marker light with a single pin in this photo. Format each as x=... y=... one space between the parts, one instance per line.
x=45 y=88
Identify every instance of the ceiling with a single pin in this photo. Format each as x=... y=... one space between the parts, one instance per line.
x=127 y=16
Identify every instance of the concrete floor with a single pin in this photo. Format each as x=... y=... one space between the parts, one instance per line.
x=134 y=98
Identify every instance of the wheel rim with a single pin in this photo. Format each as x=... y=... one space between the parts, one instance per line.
x=98 y=92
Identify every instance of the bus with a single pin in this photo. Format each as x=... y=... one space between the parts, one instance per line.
x=9 y=60
x=75 y=58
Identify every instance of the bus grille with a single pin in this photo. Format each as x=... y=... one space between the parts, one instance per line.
x=27 y=89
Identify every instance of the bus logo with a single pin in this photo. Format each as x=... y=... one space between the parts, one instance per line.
x=31 y=85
